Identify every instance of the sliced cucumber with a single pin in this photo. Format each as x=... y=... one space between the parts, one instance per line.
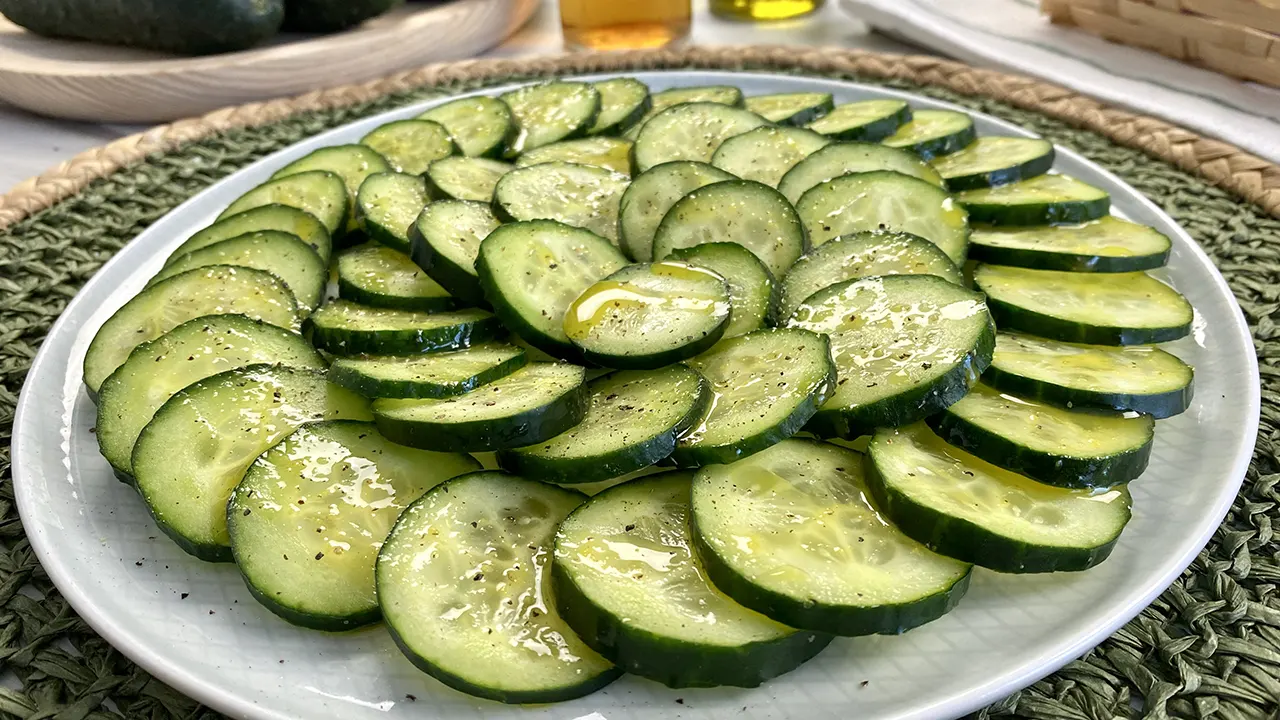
x=321 y=194
x=465 y=178
x=409 y=146
x=196 y=449
x=992 y=161
x=623 y=101
x=281 y=254
x=789 y=533
x=884 y=200
x=445 y=240
x=309 y=516
x=934 y=133
x=435 y=375
x=551 y=112
x=480 y=126
x=1107 y=244
x=751 y=286
x=905 y=346
x=352 y=163
x=767 y=385
x=267 y=217
x=651 y=194
x=605 y=152
x=751 y=214
x=719 y=94
x=691 y=131
x=1110 y=309
x=1043 y=200
x=627 y=580
x=864 y=121
x=767 y=153
x=378 y=276
x=1140 y=378
x=531 y=405
x=462 y=585
x=388 y=204
x=342 y=327
x=797 y=109
x=971 y=510
x=839 y=159
x=579 y=195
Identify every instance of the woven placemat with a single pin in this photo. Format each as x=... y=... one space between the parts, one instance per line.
x=1208 y=648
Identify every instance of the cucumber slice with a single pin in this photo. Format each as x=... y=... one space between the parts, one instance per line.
x=531 y=405
x=623 y=101
x=342 y=327
x=627 y=581
x=578 y=195
x=604 y=152
x=410 y=146
x=435 y=375
x=375 y=275
x=388 y=204
x=321 y=194
x=751 y=286
x=1140 y=378
x=905 y=346
x=461 y=582
x=344 y=486
x=192 y=351
x=749 y=213
x=1108 y=244
x=279 y=253
x=651 y=194
x=646 y=316
x=352 y=163
x=445 y=240
x=196 y=449
x=551 y=112
x=865 y=121
x=1110 y=309
x=632 y=422
x=692 y=131
x=1052 y=445
x=480 y=126
x=718 y=94
x=968 y=509
x=934 y=133
x=465 y=178
x=992 y=161
x=267 y=217
x=215 y=290
x=767 y=153
x=789 y=533
x=884 y=200
x=531 y=272
x=767 y=385
x=840 y=159
x=1043 y=200
x=791 y=108
x=860 y=255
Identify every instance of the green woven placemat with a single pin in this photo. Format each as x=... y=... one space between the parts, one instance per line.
x=1208 y=648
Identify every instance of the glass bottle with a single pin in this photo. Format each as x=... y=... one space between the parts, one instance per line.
x=764 y=9
x=621 y=24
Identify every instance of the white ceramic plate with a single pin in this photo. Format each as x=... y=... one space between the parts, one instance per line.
x=195 y=626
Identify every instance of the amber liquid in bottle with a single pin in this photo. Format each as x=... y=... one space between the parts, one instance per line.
x=764 y=9
x=621 y=24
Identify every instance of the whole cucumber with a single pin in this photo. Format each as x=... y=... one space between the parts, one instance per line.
x=332 y=15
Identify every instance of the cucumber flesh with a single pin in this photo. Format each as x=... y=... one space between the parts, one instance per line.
x=623 y=101
x=766 y=153
x=465 y=178
x=1042 y=200
x=651 y=194
x=791 y=108
x=387 y=205
x=659 y=101
x=1107 y=244
x=342 y=327
x=579 y=195
x=692 y=131
x=435 y=375
x=865 y=121
x=751 y=285
x=320 y=193
x=378 y=276
x=551 y=112
x=352 y=163
x=410 y=146
x=283 y=218
x=445 y=240
x=934 y=133
x=839 y=159
x=992 y=161
x=279 y=253
x=480 y=126
x=604 y=152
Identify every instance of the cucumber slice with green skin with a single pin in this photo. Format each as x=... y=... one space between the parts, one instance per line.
x=531 y=405
x=465 y=178
x=692 y=131
x=934 y=133
x=342 y=327
x=320 y=193
x=378 y=276
x=865 y=121
x=551 y=112
x=436 y=375
x=461 y=582
x=1108 y=245
x=651 y=194
x=883 y=200
x=604 y=152
x=659 y=101
x=352 y=163
x=196 y=449
x=480 y=126
x=623 y=101
x=632 y=422
x=767 y=153
x=766 y=385
x=966 y=508
x=796 y=109
x=1049 y=444
x=749 y=213
x=268 y=217
x=905 y=346
x=214 y=290
x=1043 y=200
x=840 y=159
x=752 y=288
x=645 y=316
x=992 y=161
x=532 y=271
x=388 y=204
x=627 y=580
x=307 y=520
x=190 y=352
x=861 y=255
x=279 y=253
x=445 y=240
x=789 y=533
x=410 y=146
x=579 y=195
x=1139 y=378
x=1100 y=309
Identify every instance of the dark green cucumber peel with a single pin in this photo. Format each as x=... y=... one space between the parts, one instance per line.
x=457 y=277
x=963 y=173
x=983 y=209
x=324 y=16
x=1066 y=262
x=354 y=374
x=1014 y=317
x=470 y=327
x=871 y=131
x=1158 y=405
